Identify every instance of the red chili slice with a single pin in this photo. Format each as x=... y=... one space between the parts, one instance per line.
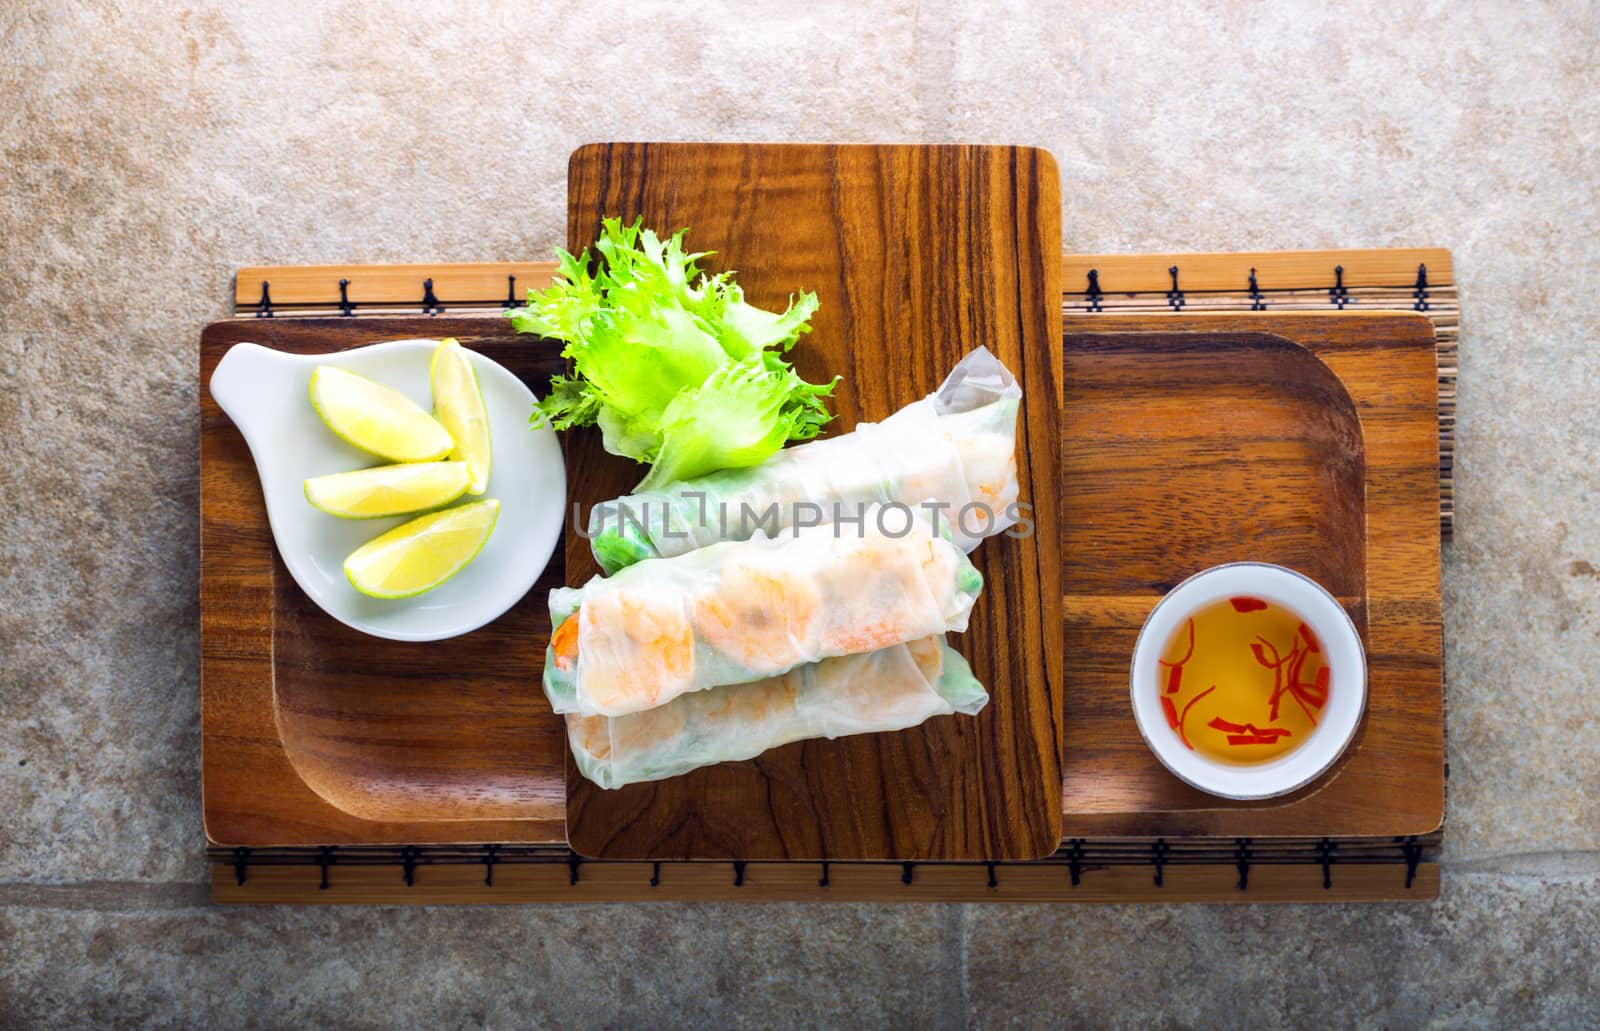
x=1259 y=735
x=1186 y=655
x=1247 y=604
x=1311 y=639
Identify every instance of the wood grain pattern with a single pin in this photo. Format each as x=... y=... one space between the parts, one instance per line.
x=314 y=733
x=1306 y=440
x=918 y=254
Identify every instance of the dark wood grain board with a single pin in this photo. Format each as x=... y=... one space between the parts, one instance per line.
x=918 y=254
x=1306 y=440
x=317 y=734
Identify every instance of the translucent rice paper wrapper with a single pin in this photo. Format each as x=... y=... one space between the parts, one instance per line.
x=955 y=447
x=889 y=689
x=740 y=611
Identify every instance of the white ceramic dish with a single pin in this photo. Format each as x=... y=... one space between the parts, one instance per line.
x=1347 y=688
x=267 y=395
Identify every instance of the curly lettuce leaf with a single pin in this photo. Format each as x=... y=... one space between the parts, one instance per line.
x=744 y=330
x=673 y=365
x=740 y=416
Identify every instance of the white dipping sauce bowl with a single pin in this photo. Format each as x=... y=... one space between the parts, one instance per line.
x=1347 y=687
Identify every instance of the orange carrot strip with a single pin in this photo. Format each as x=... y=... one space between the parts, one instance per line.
x=564 y=643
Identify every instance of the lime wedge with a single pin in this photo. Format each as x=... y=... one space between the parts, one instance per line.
x=458 y=404
x=422 y=554
x=375 y=418
x=388 y=490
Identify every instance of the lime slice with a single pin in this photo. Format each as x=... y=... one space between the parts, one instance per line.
x=422 y=554
x=388 y=490
x=458 y=404
x=375 y=418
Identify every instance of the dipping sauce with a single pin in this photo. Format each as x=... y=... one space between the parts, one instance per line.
x=1243 y=681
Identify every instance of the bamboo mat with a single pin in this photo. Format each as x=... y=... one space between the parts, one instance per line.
x=1151 y=870
x=1402 y=279
x=1172 y=870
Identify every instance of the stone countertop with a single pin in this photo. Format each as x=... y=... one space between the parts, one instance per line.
x=151 y=149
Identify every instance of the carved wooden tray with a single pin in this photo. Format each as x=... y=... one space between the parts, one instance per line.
x=1309 y=440
x=315 y=733
x=309 y=740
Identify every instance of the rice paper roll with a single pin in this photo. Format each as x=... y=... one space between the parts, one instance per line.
x=889 y=689
x=955 y=448
x=741 y=611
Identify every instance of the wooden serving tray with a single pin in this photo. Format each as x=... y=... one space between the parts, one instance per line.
x=1309 y=440
x=254 y=794
x=315 y=733
x=917 y=254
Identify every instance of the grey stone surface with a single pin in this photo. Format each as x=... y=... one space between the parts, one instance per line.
x=1492 y=952
x=1495 y=951
x=150 y=149
x=567 y=966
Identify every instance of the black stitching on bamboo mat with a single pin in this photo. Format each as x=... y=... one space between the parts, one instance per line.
x=1413 y=854
x=430 y=303
x=1338 y=294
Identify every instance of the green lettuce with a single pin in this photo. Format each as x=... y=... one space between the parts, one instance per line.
x=673 y=365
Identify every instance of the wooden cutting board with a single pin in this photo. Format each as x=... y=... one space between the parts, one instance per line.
x=918 y=254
